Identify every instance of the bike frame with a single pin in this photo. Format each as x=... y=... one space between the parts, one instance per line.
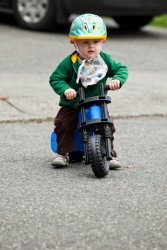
x=97 y=120
x=93 y=118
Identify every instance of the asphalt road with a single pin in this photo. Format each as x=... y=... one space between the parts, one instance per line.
x=44 y=208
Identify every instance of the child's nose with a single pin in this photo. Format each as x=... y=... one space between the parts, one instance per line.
x=90 y=44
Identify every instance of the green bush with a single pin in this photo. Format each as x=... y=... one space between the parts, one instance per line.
x=160 y=21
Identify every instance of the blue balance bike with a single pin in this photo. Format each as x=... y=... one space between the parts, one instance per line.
x=93 y=135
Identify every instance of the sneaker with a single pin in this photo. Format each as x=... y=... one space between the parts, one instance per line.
x=60 y=161
x=114 y=164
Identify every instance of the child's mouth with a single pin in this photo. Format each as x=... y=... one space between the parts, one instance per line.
x=91 y=51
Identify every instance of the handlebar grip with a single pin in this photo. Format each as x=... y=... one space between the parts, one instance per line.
x=106 y=87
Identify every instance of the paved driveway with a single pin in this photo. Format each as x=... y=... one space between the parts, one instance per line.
x=43 y=208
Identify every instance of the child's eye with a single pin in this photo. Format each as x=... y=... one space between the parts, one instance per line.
x=85 y=42
x=96 y=41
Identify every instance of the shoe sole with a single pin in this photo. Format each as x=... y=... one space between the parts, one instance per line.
x=59 y=165
x=114 y=167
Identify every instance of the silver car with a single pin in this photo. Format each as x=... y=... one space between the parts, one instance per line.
x=42 y=14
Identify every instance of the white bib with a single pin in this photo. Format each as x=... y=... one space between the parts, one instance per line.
x=91 y=71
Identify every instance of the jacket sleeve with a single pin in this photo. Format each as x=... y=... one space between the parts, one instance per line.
x=117 y=70
x=60 y=77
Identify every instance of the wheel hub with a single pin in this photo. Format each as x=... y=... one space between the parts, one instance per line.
x=32 y=11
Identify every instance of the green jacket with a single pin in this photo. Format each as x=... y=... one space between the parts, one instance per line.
x=65 y=76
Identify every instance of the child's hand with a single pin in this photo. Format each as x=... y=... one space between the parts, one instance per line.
x=70 y=94
x=114 y=84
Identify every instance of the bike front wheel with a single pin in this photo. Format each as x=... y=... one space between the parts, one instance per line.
x=97 y=155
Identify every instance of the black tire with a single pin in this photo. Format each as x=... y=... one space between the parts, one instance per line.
x=132 y=22
x=42 y=18
x=97 y=156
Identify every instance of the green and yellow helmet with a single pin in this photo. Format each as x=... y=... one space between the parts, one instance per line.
x=87 y=26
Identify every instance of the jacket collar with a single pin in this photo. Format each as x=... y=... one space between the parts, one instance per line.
x=74 y=60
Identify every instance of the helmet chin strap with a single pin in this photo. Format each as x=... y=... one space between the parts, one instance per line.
x=77 y=49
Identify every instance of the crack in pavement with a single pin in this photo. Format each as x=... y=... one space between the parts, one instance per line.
x=5 y=99
x=39 y=119
x=51 y=119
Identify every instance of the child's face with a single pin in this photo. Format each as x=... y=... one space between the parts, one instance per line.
x=89 y=49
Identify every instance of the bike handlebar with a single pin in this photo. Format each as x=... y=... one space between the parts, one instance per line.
x=106 y=88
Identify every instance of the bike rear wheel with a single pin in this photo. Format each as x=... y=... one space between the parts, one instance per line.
x=97 y=156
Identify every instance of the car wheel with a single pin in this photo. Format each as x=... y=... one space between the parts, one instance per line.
x=34 y=14
x=132 y=22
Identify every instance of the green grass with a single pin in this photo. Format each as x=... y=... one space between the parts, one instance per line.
x=160 y=21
